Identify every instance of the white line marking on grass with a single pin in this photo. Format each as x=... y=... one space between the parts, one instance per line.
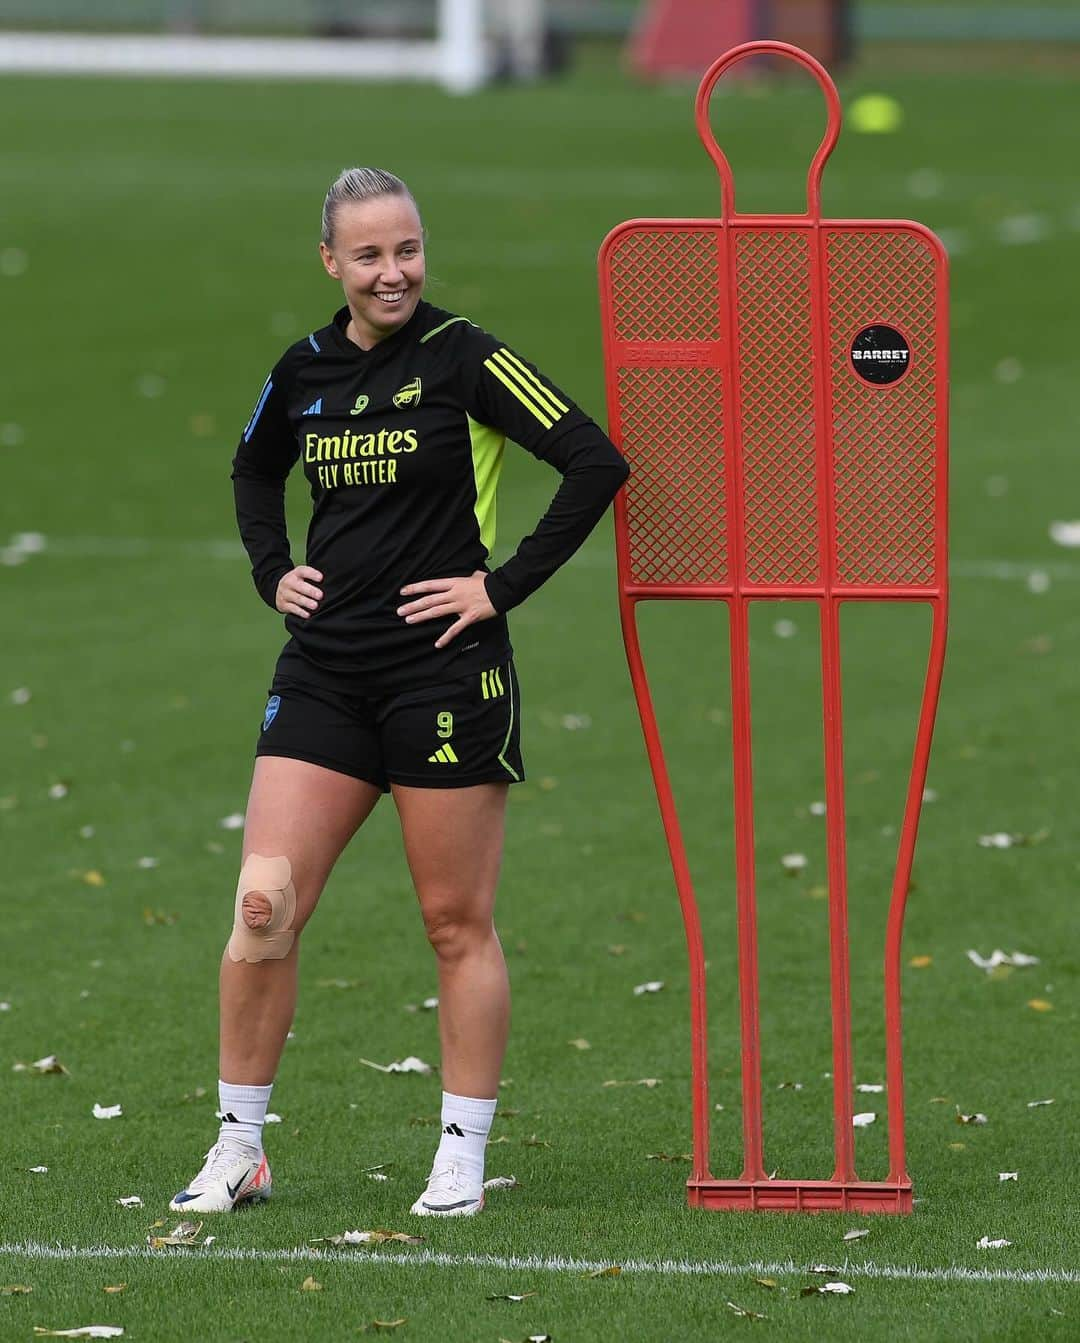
x=531 y=1263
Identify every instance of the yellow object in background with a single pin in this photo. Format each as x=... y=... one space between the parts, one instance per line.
x=875 y=114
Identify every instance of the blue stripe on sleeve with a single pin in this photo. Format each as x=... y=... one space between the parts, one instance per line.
x=258 y=410
x=314 y=344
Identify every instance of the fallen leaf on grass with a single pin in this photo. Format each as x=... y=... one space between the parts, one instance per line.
x=235 y=821
x=39 y=1170
x=649 y=1082
x=84 y=1331
x=16 y=1289
x=977 y=1118
x=920 y=962
x=1004 y=1175
x=501 y=1182
x=49 y=1064
x=407 y=1065
x=650 y=986
x=377 y=1237
x=115 y=1287
x=957 y=1146
x=864 y=1119
x=338 y=983
x=998 y=957
x=510 y=1296
x=130 y=1201
x=158 y=917
x=1040 y=1005
x=389 y=1324
x=743 y=1313
x=663 y=1156
x=870 y=1086
x=579 y=1043
x=183 y=1233
x=1033 y=1105
x=1002 y=839
x=985 y=1243
x=793 y=862
x=859 y=1234
x=310 y=1285
x=107 y=1111
x=770 y=1283
x=613 y=1271
x=92 y=878
x=617 y=949
x=534 y=1141
x=828 y=1289
x=789 y=1086
x=272 y=1119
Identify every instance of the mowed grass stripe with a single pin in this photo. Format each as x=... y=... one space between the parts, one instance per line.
x=126 y=547
x=535 y=1263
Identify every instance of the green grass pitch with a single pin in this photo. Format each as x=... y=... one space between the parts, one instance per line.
x=157 y=251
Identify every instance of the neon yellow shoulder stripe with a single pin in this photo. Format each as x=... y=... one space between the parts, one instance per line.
x=529 y=380
x=529 y=404
x=435 y=331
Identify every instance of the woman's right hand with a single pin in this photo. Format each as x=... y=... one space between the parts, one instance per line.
x=297 y=594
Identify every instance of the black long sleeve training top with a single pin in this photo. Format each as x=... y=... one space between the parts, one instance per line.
x=402 y=447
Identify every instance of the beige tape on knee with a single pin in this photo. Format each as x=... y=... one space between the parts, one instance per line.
x=265 y=909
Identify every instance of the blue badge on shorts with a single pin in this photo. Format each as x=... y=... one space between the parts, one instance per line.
x=273 y=704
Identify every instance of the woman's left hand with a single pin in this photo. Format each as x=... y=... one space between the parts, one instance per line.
x=441 y=597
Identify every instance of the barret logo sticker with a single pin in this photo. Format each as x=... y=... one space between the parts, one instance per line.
x=273 y=704
x=880 y=354
x=361 y=405
x=409 y=395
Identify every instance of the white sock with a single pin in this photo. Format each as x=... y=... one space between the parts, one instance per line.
x=243 y=1110
x=466 y=1123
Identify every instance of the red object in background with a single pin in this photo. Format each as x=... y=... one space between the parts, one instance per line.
x=778 y=385
x=673 y=38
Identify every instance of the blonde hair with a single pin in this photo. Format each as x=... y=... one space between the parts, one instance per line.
x=359 y=184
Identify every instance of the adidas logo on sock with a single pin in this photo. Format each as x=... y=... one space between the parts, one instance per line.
x=454 y=1131
x=227 y=1117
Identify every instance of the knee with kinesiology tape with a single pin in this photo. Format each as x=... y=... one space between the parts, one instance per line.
x=265 y=910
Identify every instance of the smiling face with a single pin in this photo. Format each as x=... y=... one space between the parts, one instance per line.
x=377 y=252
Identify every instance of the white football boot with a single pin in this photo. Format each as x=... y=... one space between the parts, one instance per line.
x=234 y=1173
x=451 y=1192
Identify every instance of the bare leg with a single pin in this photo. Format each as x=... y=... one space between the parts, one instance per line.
x=306 y=814
x=453 y=843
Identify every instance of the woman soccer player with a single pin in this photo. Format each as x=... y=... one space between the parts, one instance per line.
x=399 y=674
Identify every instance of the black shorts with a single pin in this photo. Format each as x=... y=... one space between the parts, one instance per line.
x=455 y=734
